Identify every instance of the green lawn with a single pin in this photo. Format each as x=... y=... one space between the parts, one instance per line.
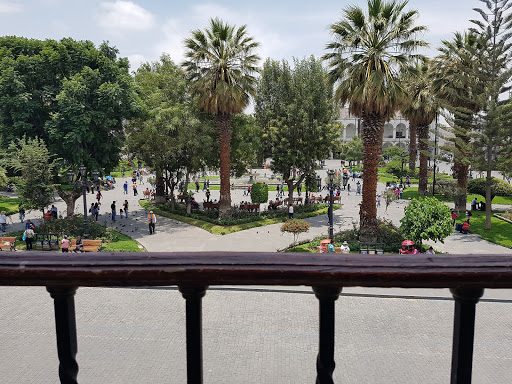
x=9 y=205
x=412 y=192
x=500 y=232
x=123 y=244
x=385 y=177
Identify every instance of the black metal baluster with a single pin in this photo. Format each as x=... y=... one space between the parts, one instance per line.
x=325 y=361
x=65 y=324
x=464 y=333
x=193 y=297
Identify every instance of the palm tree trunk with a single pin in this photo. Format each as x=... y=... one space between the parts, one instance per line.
x=423 y=147
x=412 y=149
x=160 y=188
x=224 y=129
x=372 y=133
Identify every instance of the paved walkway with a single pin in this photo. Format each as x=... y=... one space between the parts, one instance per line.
x=172 y=235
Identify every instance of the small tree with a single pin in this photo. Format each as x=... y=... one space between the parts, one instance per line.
x=498 y=187
x=295 y=226
x=259 y=193
x=426 y=219
x=31 y=159
x=389 y=197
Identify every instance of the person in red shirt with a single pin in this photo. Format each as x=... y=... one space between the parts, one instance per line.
x=465 y=227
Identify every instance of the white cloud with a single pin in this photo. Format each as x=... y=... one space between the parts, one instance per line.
x=124 y=16
x=136 y=60
x=173 y=33
x=8 y=7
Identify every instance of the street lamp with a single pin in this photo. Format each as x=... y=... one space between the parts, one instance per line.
x=331 y=201
x=403 y=156
x=83 y=175
x=318 y=183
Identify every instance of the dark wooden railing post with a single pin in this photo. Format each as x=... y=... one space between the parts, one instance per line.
x=325 y=360
x=194 y=321
x=464 y=333
x=65 y=324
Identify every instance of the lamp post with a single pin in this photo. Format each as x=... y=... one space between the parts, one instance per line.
x=83 y=175
x=403 y=155
x=331 y=201
x=318 y=183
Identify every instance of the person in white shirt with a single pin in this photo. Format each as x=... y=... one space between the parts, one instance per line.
x=345 y=248
x=290 y=211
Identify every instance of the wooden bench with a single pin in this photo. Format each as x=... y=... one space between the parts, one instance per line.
x=88 y=245
x=46 y=241
x=321 y=249
x=371 y=248
x=7 y=242
x=210 y=205
x=250 y=207
x=297 y=200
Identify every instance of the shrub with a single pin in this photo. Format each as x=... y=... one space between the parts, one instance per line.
x=74 y=226
x=394 y=168
x=259 y=193
x=498 y=187
x=295 y=226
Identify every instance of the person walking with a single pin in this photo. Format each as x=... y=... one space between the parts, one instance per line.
x=21 y=212
x=125 y=206
x=378 y=201
x=96 y=211
x=98 y=197
x=454 y=217
x=3 y=220
x=125 y=187
x=290 y=211
x=135 y=193
x=113 y=208
x=151 y=222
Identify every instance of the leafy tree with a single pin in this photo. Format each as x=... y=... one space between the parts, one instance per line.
x=492 y=138
x=294 y=111
x=392 y=152
x=69 y=94
x=426 y=219
x=33 y=162
x=221 y=65
x=365 y=59
x=352 y=151
x=246 y=144
x=259 y=193
x=498 y=187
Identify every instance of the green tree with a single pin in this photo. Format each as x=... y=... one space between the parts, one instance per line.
x=259 y=193
x=426 y=219
x=368 y=52
x=493 y=71
x=295 y=113
x=32 y=161
x=69 y=94
x=498 y=187
x=221 y=64
x=352 y=151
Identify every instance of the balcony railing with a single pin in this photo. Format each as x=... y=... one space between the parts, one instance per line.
x=193 y=273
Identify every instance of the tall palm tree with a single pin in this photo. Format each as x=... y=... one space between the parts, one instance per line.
x=455 y=85
x=365 y=58
x=221 y=64
x=420 y=110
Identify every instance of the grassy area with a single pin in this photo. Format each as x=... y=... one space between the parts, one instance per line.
x=9 y=205
x=500 y=232
x=123 y=244
x=412 y=192
x=385 y=177
x=217 y=229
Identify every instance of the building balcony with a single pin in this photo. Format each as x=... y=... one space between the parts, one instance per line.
x=194 y=274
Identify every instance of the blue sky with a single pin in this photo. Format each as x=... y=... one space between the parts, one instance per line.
x=143 y=29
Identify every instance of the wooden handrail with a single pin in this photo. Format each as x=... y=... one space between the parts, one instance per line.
x=246 y=268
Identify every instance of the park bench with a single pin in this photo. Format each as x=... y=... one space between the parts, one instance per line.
x=371 y=248
x=323 y=249
x=297 y=200
x=7 y=242
x=88 y=245
x=210 y=205
x=46 y=241
x=250 y=207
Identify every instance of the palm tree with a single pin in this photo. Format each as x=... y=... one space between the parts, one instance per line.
x=456 y=87
x=420 y=110
x=220 y=65
x=365 y=59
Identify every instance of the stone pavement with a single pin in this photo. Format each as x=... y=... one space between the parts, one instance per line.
x=251 y=334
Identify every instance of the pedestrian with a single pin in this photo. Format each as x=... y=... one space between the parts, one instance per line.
x=208 y=195
x=401 y=191
x=348 y=189
x=290 y=211
x=125 y=206
x=468 y=215
x=204 y=185
x=151 y=222
x=54 y=211
x=125 y=187
x=345 y=248
x=3 y=220
x=98 y=197
x=29 y=235
x=96 y=211
x=197 y=186
x=208 y=184
x=113 y=208
x=378 y=201
x=29 y=224
x=358 y=188
x=454 y=217
x=121 y=213
x=65 y=244
x=330 y=247
x=21 y=212
x=135 y=193
x=91 y=209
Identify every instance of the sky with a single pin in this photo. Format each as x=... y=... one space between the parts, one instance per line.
x=144 y=29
